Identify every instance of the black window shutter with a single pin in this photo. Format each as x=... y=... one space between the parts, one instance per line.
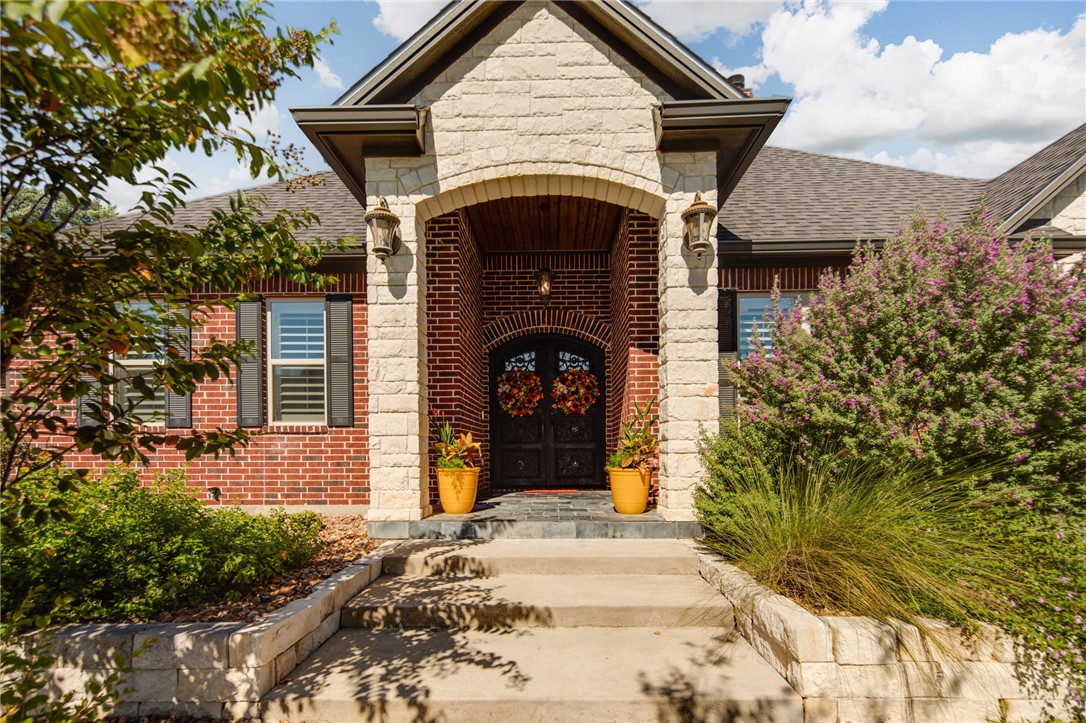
x=338 y=348
x=250 y=372
x=88 y=404
x=179 y=406
x=727 y=320
x=727 y=390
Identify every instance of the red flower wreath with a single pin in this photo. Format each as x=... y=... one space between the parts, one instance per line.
x=575 y=391
x=519 y=392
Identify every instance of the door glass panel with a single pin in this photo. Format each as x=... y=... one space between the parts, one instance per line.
x=568 y=360
x=523 y=362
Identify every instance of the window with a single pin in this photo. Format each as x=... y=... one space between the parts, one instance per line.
x=752 y=314
x=296 y=360
x=139 y=366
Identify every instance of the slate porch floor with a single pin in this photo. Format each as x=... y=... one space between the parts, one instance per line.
x=586 y=514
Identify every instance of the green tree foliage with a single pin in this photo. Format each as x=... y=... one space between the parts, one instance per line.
x=31 y=202
x=99 y=91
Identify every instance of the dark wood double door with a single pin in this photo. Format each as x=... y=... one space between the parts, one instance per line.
x=547 y=449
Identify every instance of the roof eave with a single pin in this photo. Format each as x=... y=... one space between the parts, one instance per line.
x=346 y=135
x=1046 y=194
x=735 y=129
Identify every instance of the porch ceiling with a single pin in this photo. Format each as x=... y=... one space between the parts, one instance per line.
x=544 y=223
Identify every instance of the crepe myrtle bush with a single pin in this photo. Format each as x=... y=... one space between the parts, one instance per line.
x=949 y=343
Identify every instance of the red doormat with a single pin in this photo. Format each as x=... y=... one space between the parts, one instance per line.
x=551 y=492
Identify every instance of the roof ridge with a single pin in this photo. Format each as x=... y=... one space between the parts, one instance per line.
x=876 y=164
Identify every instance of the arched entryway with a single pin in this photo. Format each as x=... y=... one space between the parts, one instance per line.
x=546 y=446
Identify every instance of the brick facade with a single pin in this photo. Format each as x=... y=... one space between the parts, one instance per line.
x=283 y=464
x=456 y=360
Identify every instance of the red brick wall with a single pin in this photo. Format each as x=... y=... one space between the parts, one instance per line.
x=456 y=359
x=581 y=284
x=635 y=329
x=292 y=465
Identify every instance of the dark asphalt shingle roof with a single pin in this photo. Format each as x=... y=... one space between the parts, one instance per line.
x=789 y=195
x=1011 y=190
x=339 y=212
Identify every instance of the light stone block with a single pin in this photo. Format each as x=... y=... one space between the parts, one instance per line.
x=258 y=644
x=160 y=685
x=804 y=636
x=194 y=645
x=819 y=710
x=879 y=710
x=93 y=646
x=980 y=680
x=871 y=681
x=1023 y=711
x=942 y=710
x=861 y=641
x=813 y=679
x=244 y=684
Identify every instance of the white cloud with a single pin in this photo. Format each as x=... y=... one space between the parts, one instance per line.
x=326 y=77
x=265 y=121
x=401 y=18
x=969 y=114
x=237 y=177
x=126 y=195
x=695 y=20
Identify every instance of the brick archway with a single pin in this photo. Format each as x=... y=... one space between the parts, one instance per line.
x=546 y=321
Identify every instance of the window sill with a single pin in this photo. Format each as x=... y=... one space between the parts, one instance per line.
x=296 y=429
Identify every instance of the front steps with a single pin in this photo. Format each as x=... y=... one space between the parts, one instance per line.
x=541 y=630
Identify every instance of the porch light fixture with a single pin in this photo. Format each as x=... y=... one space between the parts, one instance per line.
x=697 y=226
x=545 y=278
x=384 y=230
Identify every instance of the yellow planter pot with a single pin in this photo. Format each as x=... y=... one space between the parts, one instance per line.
x=457 y=488
x=630 y=490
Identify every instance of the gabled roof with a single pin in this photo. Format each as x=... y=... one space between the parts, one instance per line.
x=704 y=112
x=798 y=201
x=1018 y=193
x=458 y=25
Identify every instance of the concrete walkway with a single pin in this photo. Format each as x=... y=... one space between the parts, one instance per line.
x=536 y=630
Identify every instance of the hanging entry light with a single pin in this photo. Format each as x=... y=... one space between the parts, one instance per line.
x=697 y=226
x=545 y=278
x=384 y=230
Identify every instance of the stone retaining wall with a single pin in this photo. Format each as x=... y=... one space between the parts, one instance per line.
x=209 y=670
x=856 y=669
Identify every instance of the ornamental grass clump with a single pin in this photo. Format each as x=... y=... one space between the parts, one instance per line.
x=843 y=533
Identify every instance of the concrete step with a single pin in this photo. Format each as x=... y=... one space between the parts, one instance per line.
x=542 y=557
x=534 y=675
x=548 y=601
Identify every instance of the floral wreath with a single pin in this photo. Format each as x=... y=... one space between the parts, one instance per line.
x=575 y=391
x=519 y=392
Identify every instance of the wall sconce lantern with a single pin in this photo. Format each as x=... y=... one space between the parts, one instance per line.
x=384 y=230
x=545 y=278
x=697 y=226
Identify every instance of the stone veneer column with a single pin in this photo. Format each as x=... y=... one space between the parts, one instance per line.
x=396 y=291
x=688 y=359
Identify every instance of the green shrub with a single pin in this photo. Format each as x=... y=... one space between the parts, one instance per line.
x=842 y=532
x=130 y=552
x=948 y=343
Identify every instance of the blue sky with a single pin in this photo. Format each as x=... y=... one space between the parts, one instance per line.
x=963 y=88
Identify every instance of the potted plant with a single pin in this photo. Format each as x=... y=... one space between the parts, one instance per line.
x=630 y=468
x=457 y=475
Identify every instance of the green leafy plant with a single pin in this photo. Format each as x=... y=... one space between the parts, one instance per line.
x=455 y=452
x=127 y=552
x=841 y=532
x=638 y=445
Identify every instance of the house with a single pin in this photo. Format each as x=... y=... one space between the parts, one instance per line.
x=551 y=171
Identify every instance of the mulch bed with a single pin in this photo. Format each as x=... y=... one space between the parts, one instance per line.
x=345 y=541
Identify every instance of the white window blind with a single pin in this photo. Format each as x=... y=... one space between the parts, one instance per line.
x=296 y=357
x=752 y=319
